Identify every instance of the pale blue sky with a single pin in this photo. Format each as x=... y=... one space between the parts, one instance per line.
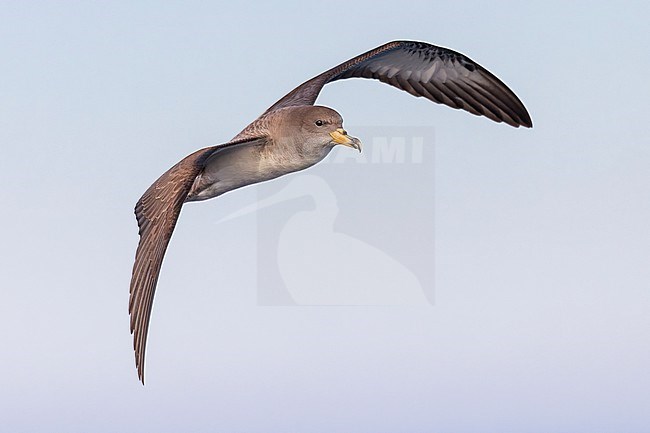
x=542 y=237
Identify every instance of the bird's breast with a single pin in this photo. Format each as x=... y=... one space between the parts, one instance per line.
x=237 y=167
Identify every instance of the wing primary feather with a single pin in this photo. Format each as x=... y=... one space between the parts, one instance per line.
x=405 y=84
x=471 y=104
x=445 y=95
x=489 y=109
x=422 y=91
x=508 y=114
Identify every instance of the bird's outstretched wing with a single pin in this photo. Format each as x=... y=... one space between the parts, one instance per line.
x=439 y=74
x=157 y=212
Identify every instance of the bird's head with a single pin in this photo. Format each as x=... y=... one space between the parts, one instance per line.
x=316 y=129
x=324 y=126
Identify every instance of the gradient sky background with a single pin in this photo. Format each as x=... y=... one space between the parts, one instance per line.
x=541 y=320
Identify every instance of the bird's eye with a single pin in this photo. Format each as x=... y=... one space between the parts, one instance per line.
x=318 y=123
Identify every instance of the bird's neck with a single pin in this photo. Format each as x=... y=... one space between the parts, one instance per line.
x=289 y=154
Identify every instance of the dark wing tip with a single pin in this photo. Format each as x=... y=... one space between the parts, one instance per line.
x=512 y=110
x=527 y=122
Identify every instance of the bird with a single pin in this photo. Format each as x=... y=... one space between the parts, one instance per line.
x=294 y=134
